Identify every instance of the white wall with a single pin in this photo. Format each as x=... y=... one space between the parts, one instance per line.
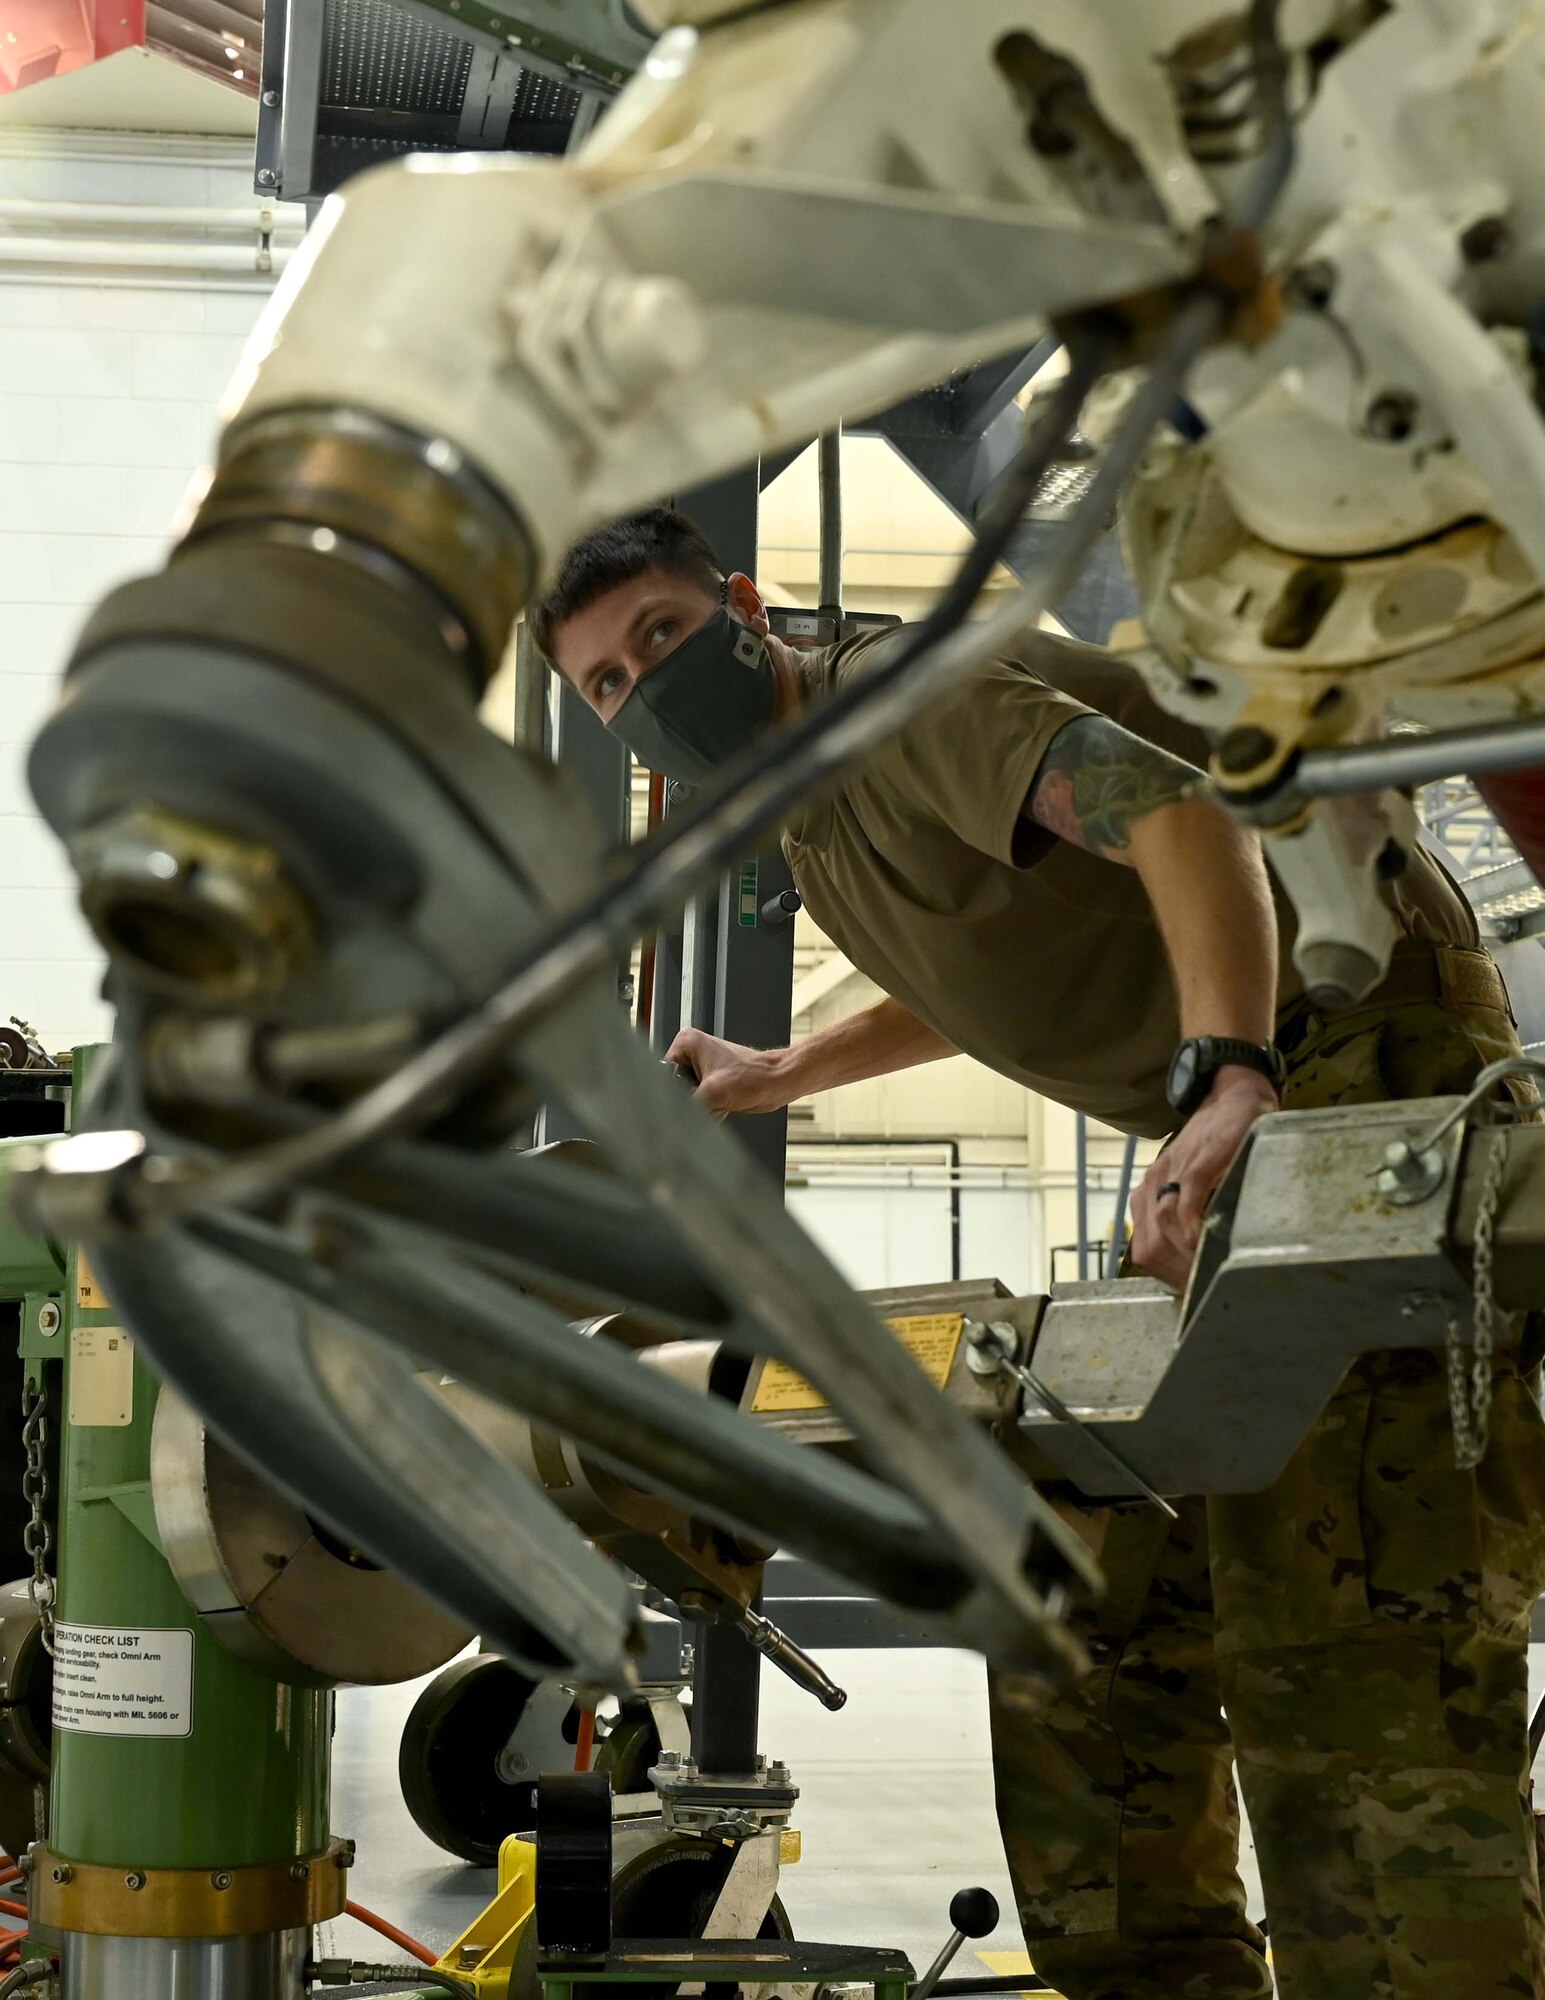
x=107 y=398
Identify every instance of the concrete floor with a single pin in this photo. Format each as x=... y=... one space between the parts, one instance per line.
x=896 y=1809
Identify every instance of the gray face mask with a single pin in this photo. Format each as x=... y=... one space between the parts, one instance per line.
x=701 y=703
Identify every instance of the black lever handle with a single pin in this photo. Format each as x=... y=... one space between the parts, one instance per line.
x=974 y=1913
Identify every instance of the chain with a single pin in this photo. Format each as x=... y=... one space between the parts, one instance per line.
x=1469 y=1390
x=37 y=1536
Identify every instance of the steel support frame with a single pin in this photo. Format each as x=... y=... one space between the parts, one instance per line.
x=290 y=105
x=960 y=439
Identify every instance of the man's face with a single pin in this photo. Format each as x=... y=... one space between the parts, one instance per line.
x=607 y=648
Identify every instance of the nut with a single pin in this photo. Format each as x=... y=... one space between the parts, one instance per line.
x=135 y=1879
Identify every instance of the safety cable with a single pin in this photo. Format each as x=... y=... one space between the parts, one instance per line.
x=773 y=775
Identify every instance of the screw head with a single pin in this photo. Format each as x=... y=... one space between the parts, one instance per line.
x=134 y=1879
x=299 y=1871
x=220 y=1879
x=50 y=1319
x=266 y=177
x=64 y=1873
x=271 y=98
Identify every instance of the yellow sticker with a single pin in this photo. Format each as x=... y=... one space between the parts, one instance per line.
x=933 y=1340
x=89 y=1295
x=101 y=1378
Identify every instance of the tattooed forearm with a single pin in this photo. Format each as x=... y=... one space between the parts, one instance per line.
x=1098 y=779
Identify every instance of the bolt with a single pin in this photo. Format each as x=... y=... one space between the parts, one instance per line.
x=271 y=99
x=299 y=1872
x=670 y=1759
x=221 y=1879
x=1312 y=285
x=1243 y=749
x=49 y=1320
x=471 y=1954
x=267 y=178
x=1485 y=240
x=1392 y=417
x=778 y=1774
x=64 y=1873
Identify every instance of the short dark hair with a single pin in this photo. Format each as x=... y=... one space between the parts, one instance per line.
x=658 y=539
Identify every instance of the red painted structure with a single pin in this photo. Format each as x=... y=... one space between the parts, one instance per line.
x=40 y=39
x=44 y=38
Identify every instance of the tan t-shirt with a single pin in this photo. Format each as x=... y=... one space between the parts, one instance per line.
x=1041 y=960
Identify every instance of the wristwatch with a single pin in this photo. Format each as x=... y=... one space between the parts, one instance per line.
x=1197 y=1062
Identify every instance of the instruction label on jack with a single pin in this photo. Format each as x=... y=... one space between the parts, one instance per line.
x=101 y=1378
x=117 y=1680
x=932 y=1339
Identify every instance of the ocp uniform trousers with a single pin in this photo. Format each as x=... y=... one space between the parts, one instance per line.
x=1363 y=1624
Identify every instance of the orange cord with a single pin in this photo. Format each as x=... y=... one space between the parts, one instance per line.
x=14 y=1909
x=584 y=1747
x=390 y=1931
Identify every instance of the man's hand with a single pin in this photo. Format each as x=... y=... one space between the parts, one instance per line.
x=1167 y=1226
x=730 y=1077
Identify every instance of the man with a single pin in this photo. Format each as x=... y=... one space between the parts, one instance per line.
x=1027 y=875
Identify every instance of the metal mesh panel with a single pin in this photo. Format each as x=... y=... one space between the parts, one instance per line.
x=338 y=158
x=541 y=101
x=542 y=116
x=380 y=58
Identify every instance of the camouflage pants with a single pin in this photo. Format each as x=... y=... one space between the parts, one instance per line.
x=1363 y=1624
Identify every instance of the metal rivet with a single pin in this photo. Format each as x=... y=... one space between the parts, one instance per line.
x=134 y=1879
x=49 y=1319
x=267 y=178
x=271 y=98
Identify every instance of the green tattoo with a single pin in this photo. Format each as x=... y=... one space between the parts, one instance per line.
x=1098 y=779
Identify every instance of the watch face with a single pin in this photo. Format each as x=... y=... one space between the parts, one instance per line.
x=1183 y=1073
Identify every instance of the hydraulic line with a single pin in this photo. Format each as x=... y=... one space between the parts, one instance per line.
x=757 y=790
x=763 y=784
x=391 y=1933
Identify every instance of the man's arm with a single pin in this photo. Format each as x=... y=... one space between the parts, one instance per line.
x=876 y=1042
x=1109 y=791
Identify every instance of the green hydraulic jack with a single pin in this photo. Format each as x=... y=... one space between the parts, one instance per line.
x=186 y=1848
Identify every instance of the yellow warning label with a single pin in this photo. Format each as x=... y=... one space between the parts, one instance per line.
x=933 y=1340
x=89 y=1295
x=101 y=1378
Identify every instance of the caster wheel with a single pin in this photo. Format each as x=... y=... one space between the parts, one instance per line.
x=630 y=1752
x=456 y=1777
x=667 y=1892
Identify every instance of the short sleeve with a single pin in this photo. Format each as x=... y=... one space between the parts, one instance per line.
x=969 y=761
